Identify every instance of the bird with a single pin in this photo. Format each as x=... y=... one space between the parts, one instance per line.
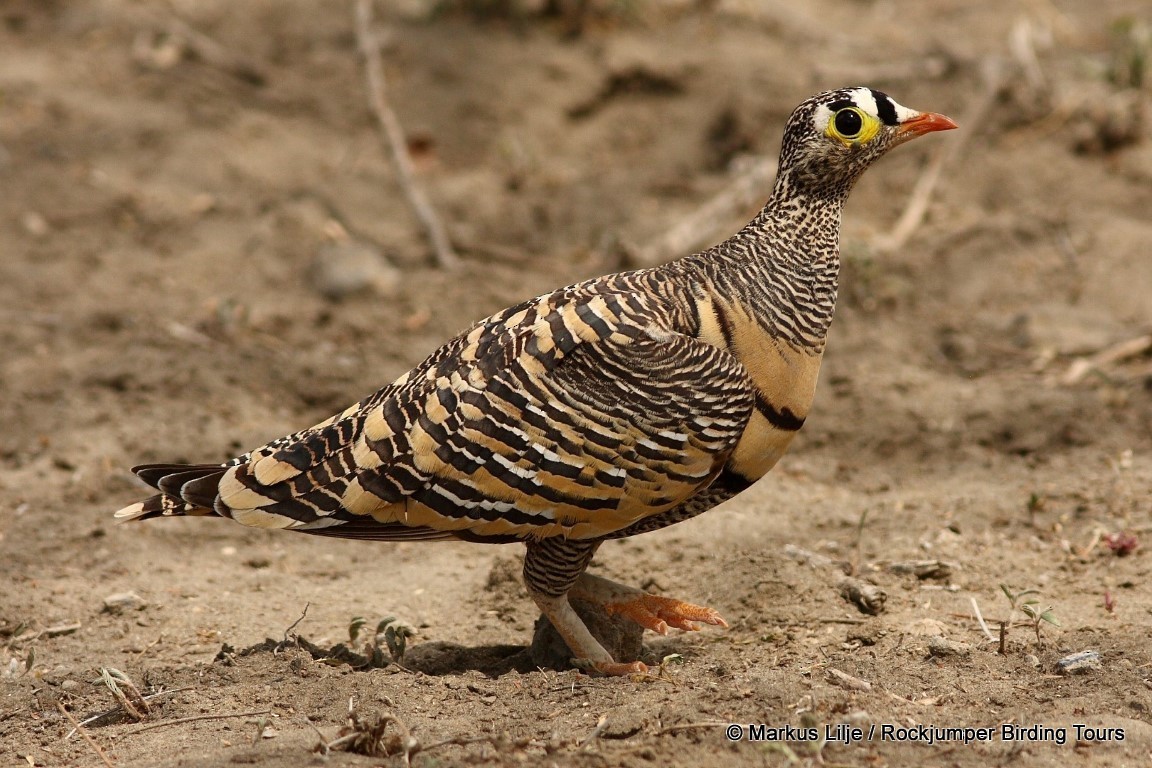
x=605 y=409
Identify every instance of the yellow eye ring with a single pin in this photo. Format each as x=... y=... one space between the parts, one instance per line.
x=852 y=126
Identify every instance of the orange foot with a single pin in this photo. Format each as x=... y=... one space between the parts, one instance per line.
x=658 y=613
x=611 y=668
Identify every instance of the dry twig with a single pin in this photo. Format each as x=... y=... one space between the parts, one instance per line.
x=193 y=719
x=690 y=727
x=60 y=629
x=92 y=742
x=293 y=625
x=980 y=618
x=838 y=620
x=118 y=709
x=394 y=138
x=1116 y=353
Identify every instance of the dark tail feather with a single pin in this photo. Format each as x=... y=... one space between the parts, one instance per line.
x=161 y=505
x=195 y=485
x=186 y=489
x=154 y=473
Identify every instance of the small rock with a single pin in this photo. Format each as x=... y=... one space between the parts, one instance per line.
x=1079 y=663
x=942 y=647
x=342 y=269
x=923 y=569
x=34 y=224
x=57 y=675
x=121 y=602
x=869 y=598
x=847 y=681
x=71 y=686
x=926 y=628
x=865 y=634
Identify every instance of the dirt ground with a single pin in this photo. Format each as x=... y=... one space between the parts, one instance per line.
x=176 y=224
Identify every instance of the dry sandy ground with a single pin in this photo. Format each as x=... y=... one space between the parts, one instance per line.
x=162 y=213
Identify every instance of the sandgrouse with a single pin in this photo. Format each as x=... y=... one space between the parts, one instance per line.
x=606 y=409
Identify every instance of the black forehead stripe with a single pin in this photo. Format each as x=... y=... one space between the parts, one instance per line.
x=885 y=109
x=836 y=106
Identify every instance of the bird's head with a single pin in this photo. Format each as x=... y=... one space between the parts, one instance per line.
x=834 y=136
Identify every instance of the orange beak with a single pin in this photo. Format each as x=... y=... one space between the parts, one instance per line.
x=925 y=122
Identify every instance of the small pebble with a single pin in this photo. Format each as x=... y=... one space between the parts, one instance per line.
x=34 y=224
x=926 y=628
x=923 y=569
x=1079 y=663
x=844 y=680
x=342 y=269
x=942 y=646
x=869 y=598
x=124 y=601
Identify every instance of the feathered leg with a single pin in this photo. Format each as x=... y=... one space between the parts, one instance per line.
x=551 y=567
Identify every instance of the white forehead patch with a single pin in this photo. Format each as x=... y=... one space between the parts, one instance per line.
x=866 y=101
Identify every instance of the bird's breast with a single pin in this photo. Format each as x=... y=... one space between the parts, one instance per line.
x=784 y=377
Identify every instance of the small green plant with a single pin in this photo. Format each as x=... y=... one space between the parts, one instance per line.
x=125 y=692
x=1038 y=617
x=354 y=628
x=1026 y=601
x=261 y=727
x=394 y=632
x=1131 y=51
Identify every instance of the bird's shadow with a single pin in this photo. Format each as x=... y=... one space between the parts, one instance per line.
x=438 y=658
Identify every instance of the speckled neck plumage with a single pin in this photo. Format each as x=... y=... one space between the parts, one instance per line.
x=783 y=266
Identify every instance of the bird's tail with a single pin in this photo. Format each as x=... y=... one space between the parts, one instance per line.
x=185 y=489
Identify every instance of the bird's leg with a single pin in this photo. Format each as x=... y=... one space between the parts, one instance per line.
x=551 y=567
x=649 y=611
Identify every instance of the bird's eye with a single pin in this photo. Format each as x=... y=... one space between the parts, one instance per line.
x=848 y=122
